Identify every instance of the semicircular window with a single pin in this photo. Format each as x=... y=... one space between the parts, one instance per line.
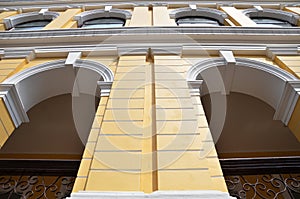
x=270 y=22
x=32 y=25
x=197 y=21
x=110 y=22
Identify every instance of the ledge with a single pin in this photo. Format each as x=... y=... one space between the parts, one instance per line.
x=157 y=194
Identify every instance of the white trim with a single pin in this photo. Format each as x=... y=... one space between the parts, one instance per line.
x=199 y=12
x=72 y=57
x=100 y=13
x=13 y=103
x=11 y=22
x=203 y=194
x=288 y=96
x=13 y=99
x=288 y=101
x=290 y=17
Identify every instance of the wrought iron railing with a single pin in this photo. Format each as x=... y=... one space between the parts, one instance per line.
x=20 y=179
x=277 y=178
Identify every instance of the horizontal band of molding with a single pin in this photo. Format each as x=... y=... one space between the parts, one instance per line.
x=149 y=35
x=203 y=194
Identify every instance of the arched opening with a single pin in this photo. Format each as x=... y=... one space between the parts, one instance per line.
x=41 y=158
x=255 y=151
x=249 y=129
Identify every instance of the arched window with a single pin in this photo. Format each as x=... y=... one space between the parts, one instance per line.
x=102 y=18
x=197 y=21
x=107 y=22
x=32 y=25
x=272 y=18
x=29 y=21
x=266 y=21
x=198 y=17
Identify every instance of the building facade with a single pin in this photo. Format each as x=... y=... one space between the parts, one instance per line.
x=149 y=99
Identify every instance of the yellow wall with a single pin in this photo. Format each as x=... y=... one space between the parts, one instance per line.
x=64 y=20
x=6 y=124
x=237 y=17
x=161 y=17
x=141 y=16
x=289 y=63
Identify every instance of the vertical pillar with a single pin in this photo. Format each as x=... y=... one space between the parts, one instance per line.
x=237 y=17
x=64 y=20
x=161 y=16
x=141 y=16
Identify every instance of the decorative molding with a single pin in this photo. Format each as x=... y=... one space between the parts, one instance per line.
x=228 y=56
x=12 y=101
x=101 y=13
x=290 y=17
x=203 y=194
x=273 y=50
x=9 y=90
x=72 y=58
x=288 y=101
x=105 y=88
x=289 y=95
x=20 y=53
x=195 y=87
x=199 y=12
x=11 y=22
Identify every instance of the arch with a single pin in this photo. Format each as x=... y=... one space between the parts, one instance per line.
x=199 y=12
x=101 y=13
x=290 y=17
x=33 y=85
x=12 y=21
x=251 y=77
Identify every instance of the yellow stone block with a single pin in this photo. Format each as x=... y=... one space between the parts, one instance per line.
x=185 y=180
x=103 y=101
x=121 y=160
x=5 y=118
x=119 y=114
x=176 y=127
x=219 y=184
x=174 y=103
x=125 y=103
x=178 y=142
x=6 y=71
x=202 y=121
x=171 y=92
x=3 y=135
x=84 y=168
x=128 y=84
x=175 y=114
x=93 y=135
x=181 y=160
x=122 y=128
x=214 y=167
x=131 y=69
x=132 y=62
x=117 y=143
x=113 y=181
x=89 y=150
x=79 y=184
x=129 y=76
x=127 y=93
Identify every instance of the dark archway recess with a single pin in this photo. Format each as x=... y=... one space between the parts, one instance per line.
x=41 y=158
x=256 y=153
